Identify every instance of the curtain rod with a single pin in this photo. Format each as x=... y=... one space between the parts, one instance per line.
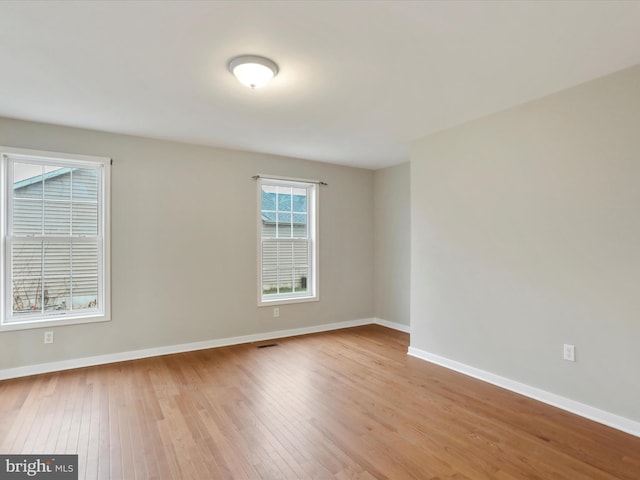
x=256 y=177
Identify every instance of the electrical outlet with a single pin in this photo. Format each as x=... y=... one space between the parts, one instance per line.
x=276 y=312
x=48 y=337
x=569 y=352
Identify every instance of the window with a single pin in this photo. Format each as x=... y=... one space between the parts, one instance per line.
x=55 y=232
x=288 y=247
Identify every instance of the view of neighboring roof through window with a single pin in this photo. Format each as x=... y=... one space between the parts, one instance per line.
x=56 y=214
x=288 y=249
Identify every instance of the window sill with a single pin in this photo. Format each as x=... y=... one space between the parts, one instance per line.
x=49 y=323
x=285 y=301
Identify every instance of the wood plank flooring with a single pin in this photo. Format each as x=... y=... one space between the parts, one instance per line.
x=348 y=404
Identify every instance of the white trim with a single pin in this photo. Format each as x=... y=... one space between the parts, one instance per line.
x=284 y=301
x=54 y=322
x=169 y=349
x=187 y=347
x=394 y=325
x=601 y=416
x=65 y=158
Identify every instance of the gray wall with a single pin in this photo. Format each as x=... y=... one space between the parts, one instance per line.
x=526 y=235
x=392 y=243
x=184 y=227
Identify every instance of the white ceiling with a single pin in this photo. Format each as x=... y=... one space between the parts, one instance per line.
x=358 y=80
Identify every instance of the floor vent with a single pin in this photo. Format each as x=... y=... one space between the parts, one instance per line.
x=268 y=345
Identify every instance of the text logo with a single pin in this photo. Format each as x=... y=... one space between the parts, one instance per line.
x=50 y=467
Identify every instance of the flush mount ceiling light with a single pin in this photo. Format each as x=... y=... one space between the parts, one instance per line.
x=252 y=70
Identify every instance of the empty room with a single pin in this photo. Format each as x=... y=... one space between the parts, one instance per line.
x=320 y=240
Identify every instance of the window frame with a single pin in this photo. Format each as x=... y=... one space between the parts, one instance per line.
x=102 y=313
x=312 y=294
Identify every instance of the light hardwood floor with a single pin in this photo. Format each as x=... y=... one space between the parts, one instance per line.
x=340 y=405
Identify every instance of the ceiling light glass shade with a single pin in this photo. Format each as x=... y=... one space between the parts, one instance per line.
x=252 y=70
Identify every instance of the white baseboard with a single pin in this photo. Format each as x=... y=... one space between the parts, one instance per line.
x=169 y=349
x=601 y=416
x=394 y=325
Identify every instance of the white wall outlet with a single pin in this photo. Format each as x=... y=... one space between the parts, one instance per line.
x=569 y=352
x=48 y=337
x=276 y=312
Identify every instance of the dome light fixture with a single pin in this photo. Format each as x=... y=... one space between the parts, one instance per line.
x=252 y=70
